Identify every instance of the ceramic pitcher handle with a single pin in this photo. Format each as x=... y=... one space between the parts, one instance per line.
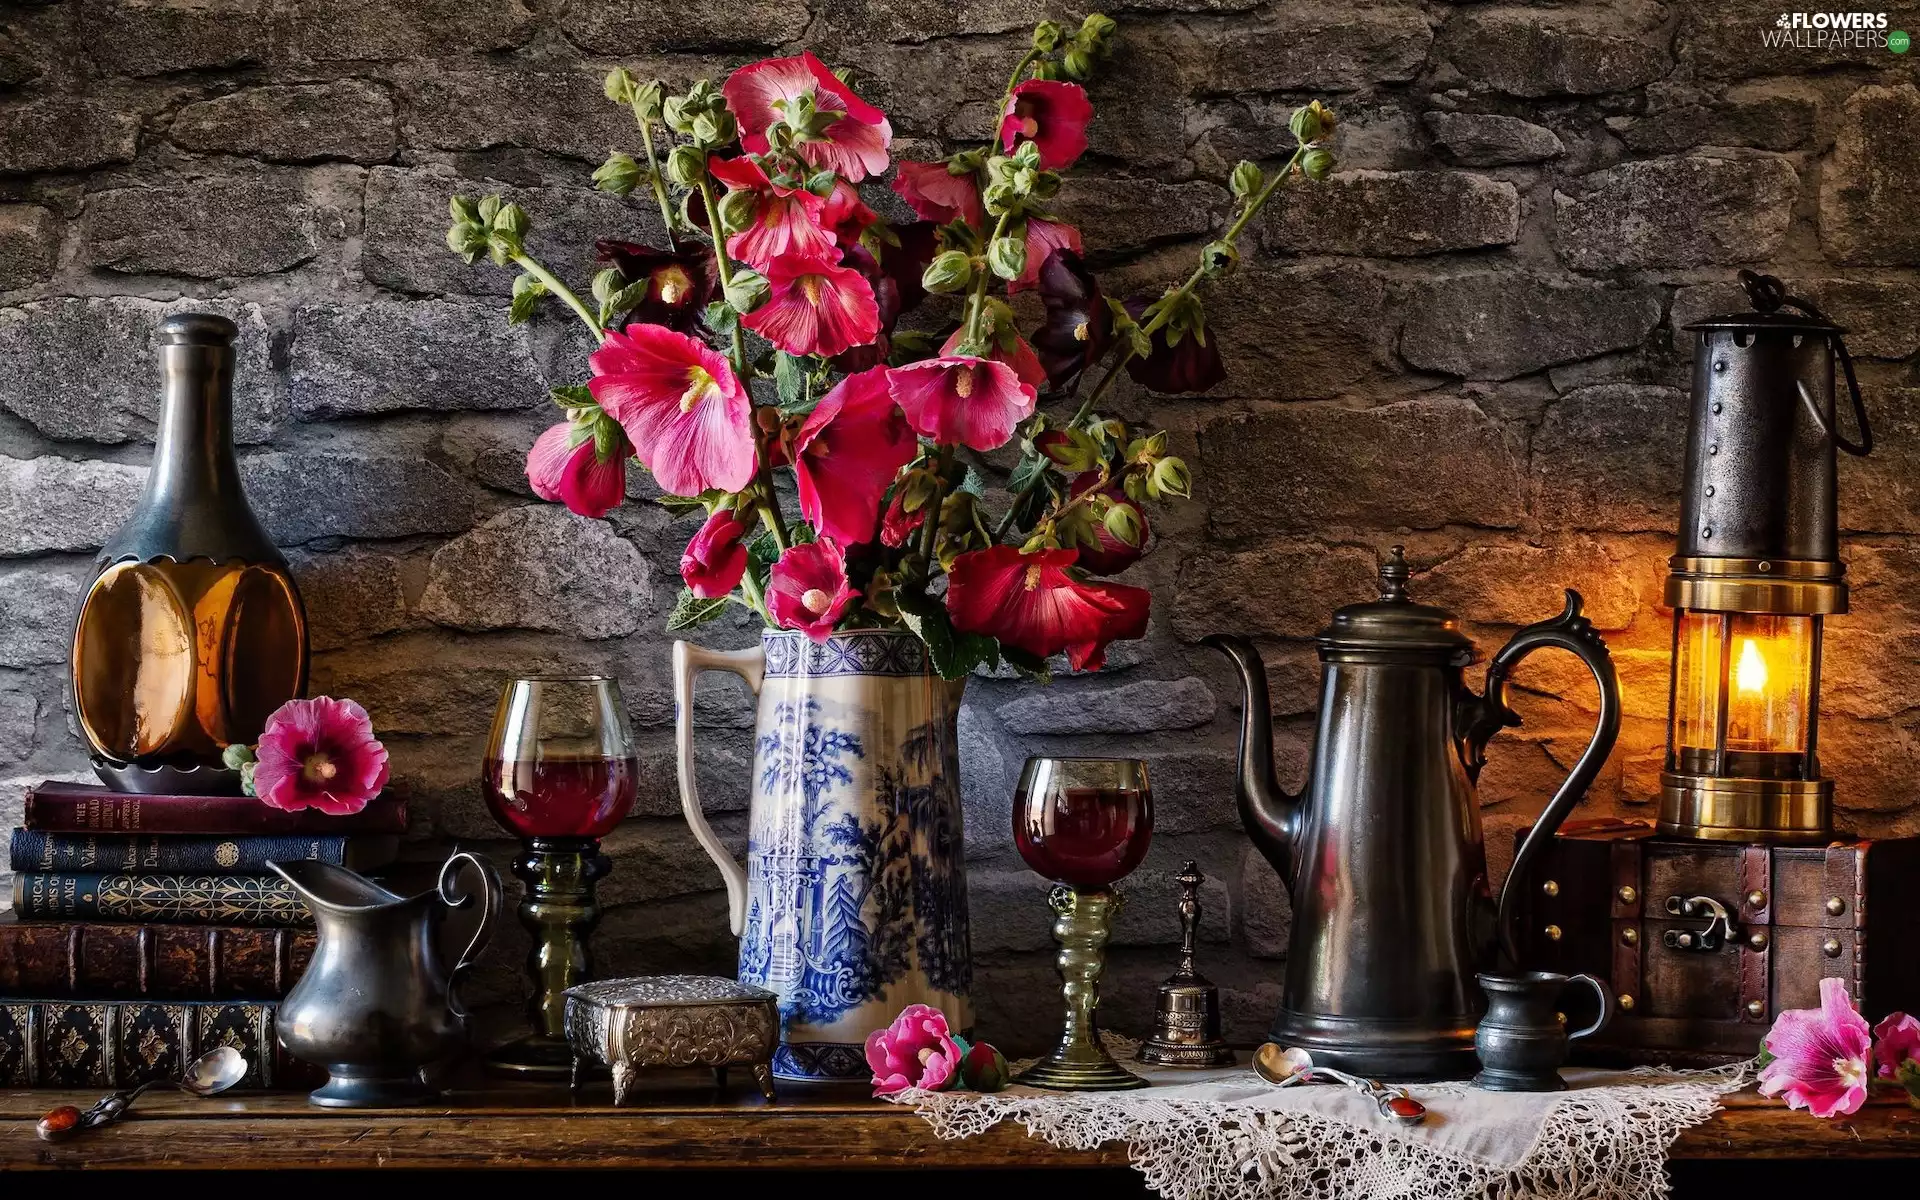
x=1606 y=1006
x=490 y=894
x=689 y=661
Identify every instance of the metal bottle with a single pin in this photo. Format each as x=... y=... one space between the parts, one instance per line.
x=1382 y=850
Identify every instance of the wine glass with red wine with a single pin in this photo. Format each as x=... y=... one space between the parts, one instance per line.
x=560 y=773
x=1084 y=823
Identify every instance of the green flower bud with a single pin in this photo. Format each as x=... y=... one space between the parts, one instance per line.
x=1072 y=449
x=236 y=755
x=1008 y=257
x=1078 y=65
x=950 y=271
x=1246 y=180
x=747 y=290
x=1047 y=35
x=1097 y=27
x=619 y=85
x=1046 y=69
x=736 y=211
x=463 y=210
x=998 y=198
x=490 y=208
x=511 y=219
x=686 y=166
x=1317 y=163
x=646 y=102
x=1123 y=523
x=916 y=490
x=619 y=174
x=1311 y=123
x=605 y=284
x=714 y=128
x=1218 y=258
x=673 y=111
x=467 y=239
x=1171 y=478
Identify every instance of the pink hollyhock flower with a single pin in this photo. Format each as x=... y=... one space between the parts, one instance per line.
x=1895 y=1041
x=1030 y=602
x=716 y=558
x=1053 y=115
x=559 y=467
x=898 y=525
x=973 y=401
x=1043 y=238
x=846 y=453
x=938 y=195
x=916 y=1051
x=785 y=220
x=1820 y=1055
x=815 y=306
x=1114 y=555
x=1009 y=348
x=683 y=408
x=808 y=590
x=854 y=146
x=319 y=753
x=844 y=215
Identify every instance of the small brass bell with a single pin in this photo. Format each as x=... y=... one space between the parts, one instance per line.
x=1186 y=1021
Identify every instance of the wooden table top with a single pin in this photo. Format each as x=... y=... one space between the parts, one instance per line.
x=686 y=1124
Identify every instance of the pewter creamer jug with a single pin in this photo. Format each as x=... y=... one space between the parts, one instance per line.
x=1382 y=850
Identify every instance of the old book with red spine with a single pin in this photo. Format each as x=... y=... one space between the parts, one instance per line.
x=102 y=961
x=90 y=808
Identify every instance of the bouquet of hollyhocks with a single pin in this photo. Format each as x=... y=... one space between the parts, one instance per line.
x=767 y=336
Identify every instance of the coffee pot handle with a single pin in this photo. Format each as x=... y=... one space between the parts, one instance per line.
x=1572 y=632
x=689 y=661
x=1606 y=1006
x=456 y=899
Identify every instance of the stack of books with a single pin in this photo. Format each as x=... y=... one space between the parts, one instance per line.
x=147 y=930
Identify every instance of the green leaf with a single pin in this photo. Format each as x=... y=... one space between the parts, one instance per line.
x=790 y=378
x=680 y=506
x=1031 y=666
x=526 y=296
x=720 y=317
x=953 y=654
x=1027 y=471
x=690 y=611
x=573 y=395
x=973 y=484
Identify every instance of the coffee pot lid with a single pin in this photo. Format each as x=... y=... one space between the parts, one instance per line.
x=1394 y=623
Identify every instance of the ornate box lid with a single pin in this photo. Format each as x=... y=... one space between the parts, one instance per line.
x=666 y=991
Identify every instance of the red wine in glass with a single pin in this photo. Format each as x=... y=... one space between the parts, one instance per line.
x=561 y=796
x=1083 y=822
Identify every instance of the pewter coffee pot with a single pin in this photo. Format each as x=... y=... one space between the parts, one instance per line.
x=1382 y=849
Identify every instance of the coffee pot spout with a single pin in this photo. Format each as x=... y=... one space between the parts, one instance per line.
x=1271 y=814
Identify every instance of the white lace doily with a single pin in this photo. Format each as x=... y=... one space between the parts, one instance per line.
x=1228 y=1135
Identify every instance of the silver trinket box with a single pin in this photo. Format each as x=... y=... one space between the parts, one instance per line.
x=655 y=1021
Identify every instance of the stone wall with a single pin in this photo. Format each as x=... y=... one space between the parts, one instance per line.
x=1464 y=342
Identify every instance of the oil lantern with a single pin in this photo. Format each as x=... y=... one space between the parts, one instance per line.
x=1757 y=573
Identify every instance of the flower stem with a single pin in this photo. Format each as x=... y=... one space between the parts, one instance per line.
x=986 y=275
x=556 y=288
x=770 y=514
x=725 y=270
x=930 y=532
x=1013 y=81
x=659 y=189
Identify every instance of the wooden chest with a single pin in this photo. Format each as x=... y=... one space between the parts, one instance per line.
x=1703 y=943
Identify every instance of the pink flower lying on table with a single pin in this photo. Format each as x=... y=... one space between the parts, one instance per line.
x=1896 y=1042
x=916 y=1051
x=319 y=753
x=1821 y=1060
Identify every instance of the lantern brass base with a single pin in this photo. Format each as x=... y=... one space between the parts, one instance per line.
x=1709 y=808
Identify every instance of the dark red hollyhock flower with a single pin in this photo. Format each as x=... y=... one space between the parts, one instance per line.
x=1078 y=328
x=895 y=277
x=1176 y=370
x=1032 y=602
x=1053 y=115
x=1114 y=555
x=679 y=286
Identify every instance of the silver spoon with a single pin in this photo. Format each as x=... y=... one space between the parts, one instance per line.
x=211 y=1073
x=1284 y=1066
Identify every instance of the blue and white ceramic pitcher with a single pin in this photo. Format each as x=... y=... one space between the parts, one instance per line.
x=853 y=902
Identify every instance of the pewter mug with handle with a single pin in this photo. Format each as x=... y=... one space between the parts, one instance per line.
x=1523 y=1038
x=853 y=900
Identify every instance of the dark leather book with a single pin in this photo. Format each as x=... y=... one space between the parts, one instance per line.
x=90 y=808
x=101 y=961
x=155 y=853
x=118 y=1044
x=180 y=899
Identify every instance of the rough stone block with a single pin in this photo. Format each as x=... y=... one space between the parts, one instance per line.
x=1491 y=140
x=1870 y=191
x=989 y=768
x=1881 y=316
x=1767 y=120
x=64 y=133
x=438 y=355
x=1740 y=39
x=1284 y=589
x=1193 y=791
x=343 y=491
x=204 y=228
x=1609 y=457
x=1505 y=583
x=453 y=700
x=566 y=112
x=350 y=596
x=1298 y=332
x=37 y=604
x=544 y=568
x=1573 y=51
x=153 y=37
x=1393 y=214
x=1676 y=212
x=29 y=245
x=19 y=64
x=377 y=30
x=17 y=713
x=1881 y=493
x=1143 y=706
x=1301 y=47
x=1499 y=325
x=87 y=369
x=1418 y=463
x=1130 y=213
x=349 y=119
x=51 y=503
x=624 y=27
x=406 y=227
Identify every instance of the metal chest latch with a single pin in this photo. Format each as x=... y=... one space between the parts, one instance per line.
x=1719 y=929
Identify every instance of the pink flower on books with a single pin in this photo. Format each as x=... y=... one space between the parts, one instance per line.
x=564 y=465
x=853 y=142
x=975 y=402
x=846 y=453
x=683 y=408
x=1821 y=1061
x=815 y=306
x=319 y=753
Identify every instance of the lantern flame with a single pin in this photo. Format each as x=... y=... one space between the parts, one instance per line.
x=1750 y=673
